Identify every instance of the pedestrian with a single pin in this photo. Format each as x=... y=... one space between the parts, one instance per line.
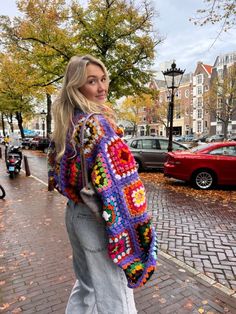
x=117 y=252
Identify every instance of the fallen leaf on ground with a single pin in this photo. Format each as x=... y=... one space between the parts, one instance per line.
x=188 y=305
x=181 y=187
x=21 y=298
x=4 y=306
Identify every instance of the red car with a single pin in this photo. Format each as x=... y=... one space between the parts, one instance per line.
x=204 y=166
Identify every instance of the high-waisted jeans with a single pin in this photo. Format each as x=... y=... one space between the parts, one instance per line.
x=101 y=286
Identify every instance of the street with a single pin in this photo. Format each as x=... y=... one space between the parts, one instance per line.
x=197 y=242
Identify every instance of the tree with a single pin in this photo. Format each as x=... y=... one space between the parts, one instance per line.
x=122 y=35
x=119 y=33
x=41 y=43
x=221 y=98
x=15 y=93
x=217 y=11
x=129 y=111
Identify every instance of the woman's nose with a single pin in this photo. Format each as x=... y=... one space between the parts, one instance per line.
x=101 y=85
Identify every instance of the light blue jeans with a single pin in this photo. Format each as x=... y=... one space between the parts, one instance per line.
x=101 y=286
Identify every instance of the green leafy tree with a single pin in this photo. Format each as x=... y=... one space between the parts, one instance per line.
x=122 y=35
x=119 y=33
x=15 y=94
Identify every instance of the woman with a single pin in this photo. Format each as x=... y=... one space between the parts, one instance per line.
x=120 y=250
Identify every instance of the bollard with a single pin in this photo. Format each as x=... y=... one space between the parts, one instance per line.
x=27 y=169
x=0 y=152
x=50 y=184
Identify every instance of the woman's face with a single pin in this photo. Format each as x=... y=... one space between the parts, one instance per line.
x=96 y=87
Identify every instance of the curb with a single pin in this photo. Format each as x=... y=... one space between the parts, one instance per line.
x=198 y=275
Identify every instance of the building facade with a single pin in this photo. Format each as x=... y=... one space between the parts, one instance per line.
x=221 y=67
x=201 y=85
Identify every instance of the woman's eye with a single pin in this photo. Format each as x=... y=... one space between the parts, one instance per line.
x=92 y=81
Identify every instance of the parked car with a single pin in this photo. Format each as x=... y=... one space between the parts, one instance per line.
x=151 y=151
x=202 y=138
x=26 y=142
x=215 y=138
x=232 y=138
x=40 y=143
x=204 y=166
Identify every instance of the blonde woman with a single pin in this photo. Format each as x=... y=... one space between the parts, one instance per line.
x=117 y=252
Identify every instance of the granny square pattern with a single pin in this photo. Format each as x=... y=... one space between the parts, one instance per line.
x=122 y=162
x=135 y=198
x=132 y=241
x=119 y=247
x=111 y=213
x=100 y=175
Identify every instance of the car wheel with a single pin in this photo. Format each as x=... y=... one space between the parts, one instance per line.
x=203 y=179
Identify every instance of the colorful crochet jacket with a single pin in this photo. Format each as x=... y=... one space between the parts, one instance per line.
x=132 y=243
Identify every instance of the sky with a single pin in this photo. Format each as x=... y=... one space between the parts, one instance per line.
x=184 y=42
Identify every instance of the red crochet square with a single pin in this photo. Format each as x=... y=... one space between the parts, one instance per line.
x=122 y=160
x=135 y=198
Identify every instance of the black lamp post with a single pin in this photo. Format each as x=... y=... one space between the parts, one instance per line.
x=173 y=78
x=43 y=115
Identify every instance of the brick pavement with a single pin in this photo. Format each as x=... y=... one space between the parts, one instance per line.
x=35 y=262
x=199 y=232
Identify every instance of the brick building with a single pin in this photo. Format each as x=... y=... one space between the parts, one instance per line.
x=201 y=85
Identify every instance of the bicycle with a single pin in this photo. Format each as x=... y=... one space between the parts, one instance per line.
x=2 y=192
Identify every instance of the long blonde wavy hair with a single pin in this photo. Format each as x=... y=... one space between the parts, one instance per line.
x=71 y=98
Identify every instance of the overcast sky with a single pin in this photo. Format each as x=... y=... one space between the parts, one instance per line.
x=184 y=42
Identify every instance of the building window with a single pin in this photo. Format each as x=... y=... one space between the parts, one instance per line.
x=199 y=90
x=199 y=101
x=199 y=113
x=199 y=79
x=187 y=93
x=199 y=126
x=206 y=88
x=219 y=104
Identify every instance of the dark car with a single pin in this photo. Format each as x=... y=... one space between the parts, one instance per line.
x=26 y=142
x=40 y=143
x=151 y=152
x=202 y=138
x=204 y=166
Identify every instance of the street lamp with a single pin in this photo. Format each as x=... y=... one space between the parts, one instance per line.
x=173 y=78
x=43 y=115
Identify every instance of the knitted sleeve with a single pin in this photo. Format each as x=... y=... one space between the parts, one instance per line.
x=132 y=239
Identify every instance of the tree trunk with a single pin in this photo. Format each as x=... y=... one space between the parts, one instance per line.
x=20 y=123
x=3 y=124
x=10 y=122
x=49 y=115
x=225 y=130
